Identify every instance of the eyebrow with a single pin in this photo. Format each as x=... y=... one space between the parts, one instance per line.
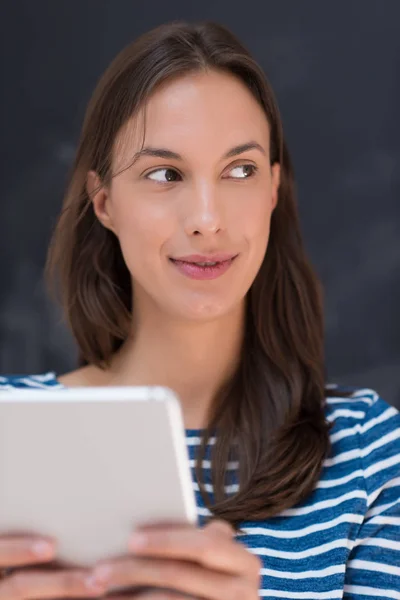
x=165 y=153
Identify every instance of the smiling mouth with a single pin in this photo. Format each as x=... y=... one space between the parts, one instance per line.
x=209 y=263
x=203 y=270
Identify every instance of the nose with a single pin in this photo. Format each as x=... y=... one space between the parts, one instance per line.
x=202 y=211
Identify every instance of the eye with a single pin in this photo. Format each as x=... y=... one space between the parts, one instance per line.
x=253 y=169
x=169 y=173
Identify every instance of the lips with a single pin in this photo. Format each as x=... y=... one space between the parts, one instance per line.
x=203 y=267
x=205 y=258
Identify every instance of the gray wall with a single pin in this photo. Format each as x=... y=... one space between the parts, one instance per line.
x=335 y=67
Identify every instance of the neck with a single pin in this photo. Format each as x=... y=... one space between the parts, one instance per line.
x=193 y=359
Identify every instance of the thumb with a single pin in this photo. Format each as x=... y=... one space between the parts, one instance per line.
x=220 y=527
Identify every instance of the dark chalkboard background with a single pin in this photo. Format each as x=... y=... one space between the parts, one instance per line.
x=335 y=67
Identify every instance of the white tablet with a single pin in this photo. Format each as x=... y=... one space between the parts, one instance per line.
x=87 y=465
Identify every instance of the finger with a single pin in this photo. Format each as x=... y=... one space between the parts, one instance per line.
x=21 y=550
x=179 y=576
x=220 y=527
x=26 y=585
x=203 y=546
x=154 y=595
x=217 y=525
x=149 y=593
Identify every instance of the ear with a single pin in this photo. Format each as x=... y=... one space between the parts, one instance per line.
x=275 y=183
x=100 y=197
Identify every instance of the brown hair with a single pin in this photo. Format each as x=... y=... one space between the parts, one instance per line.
x=271 y=414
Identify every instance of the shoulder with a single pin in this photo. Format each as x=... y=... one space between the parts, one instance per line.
x=84 y=376
x=365 y=435
x=361 y=406
x=41 y=380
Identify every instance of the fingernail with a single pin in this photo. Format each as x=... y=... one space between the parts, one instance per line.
x=92 y=584
x=138 y=541
x=102 y=573
x=42 y=548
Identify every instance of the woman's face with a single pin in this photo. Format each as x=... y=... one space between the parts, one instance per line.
x=197 y=201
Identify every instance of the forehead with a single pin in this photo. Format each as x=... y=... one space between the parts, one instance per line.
x=210 y=111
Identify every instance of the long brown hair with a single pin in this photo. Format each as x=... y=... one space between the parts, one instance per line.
x=270 y=415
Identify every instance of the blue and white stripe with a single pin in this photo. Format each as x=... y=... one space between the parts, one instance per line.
x=343 y=541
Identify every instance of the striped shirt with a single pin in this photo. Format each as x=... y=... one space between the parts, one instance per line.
x=343 y=541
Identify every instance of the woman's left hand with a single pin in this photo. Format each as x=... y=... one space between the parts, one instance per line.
x=200 y=563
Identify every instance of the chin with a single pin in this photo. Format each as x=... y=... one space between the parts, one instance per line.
x=206 y=309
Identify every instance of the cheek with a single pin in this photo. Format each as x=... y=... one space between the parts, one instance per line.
x=142 y=228
x=254 y=218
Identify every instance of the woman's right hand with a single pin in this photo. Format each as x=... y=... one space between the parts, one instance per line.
x=23 y=578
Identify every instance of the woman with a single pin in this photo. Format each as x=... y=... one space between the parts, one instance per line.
x=180 y=262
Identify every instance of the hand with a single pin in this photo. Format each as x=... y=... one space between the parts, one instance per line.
x=201 y=563
x=25 y=562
